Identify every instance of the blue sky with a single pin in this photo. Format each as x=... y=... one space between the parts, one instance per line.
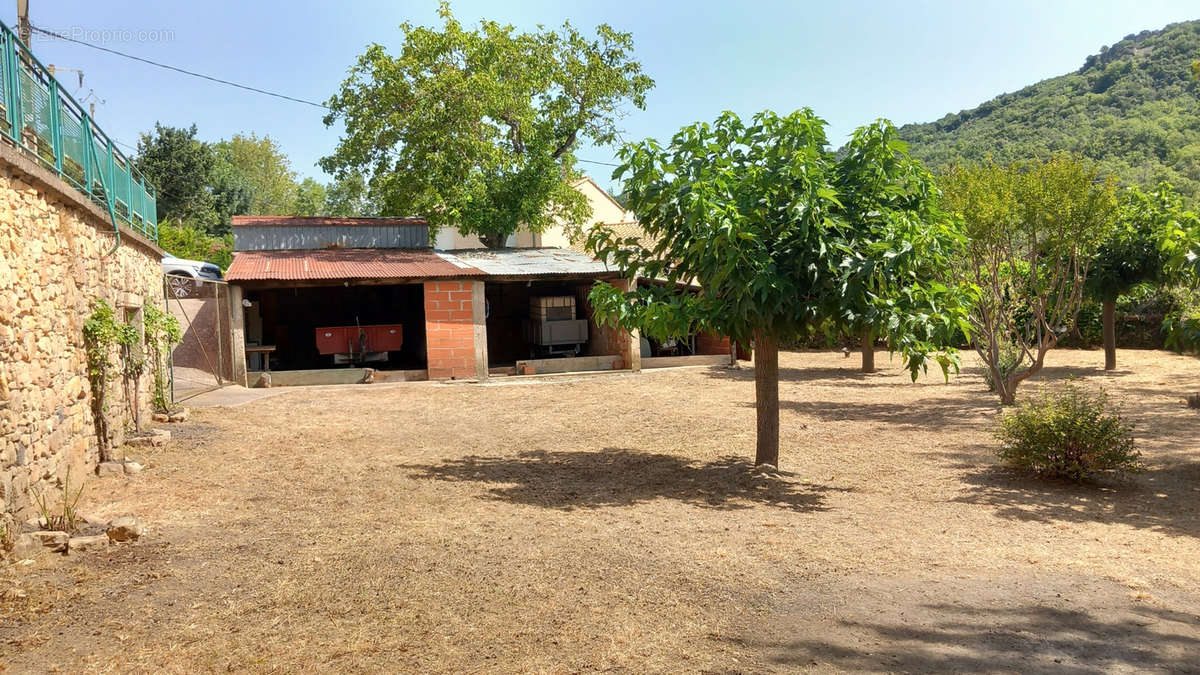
x=851 y=61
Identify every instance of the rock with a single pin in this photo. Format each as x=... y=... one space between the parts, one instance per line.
x=132 y=467
x=92 y=543
x=110 y=469
x=160 y=417
x=156 y=438
x=125 y=528
x=26 y=546
x=264 y=381
x=178 y=416
x=54 y=540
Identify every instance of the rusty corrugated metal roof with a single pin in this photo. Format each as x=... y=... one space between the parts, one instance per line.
x=350 y=263
x=321 y=221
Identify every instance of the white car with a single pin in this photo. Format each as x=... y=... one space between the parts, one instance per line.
x=182 y=274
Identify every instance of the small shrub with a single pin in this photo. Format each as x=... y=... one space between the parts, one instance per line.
x=69 y=518
x=1068 y=433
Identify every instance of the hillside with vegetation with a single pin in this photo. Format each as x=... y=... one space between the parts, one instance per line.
x=1134 y=108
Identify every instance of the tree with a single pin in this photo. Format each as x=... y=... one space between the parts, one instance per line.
x=476 y=129
x=1131 y=254
x=750 y=214
x=891 y=202
x=266 y=170
x=179 y=166
x=1032 y=232
x=349 y=197
x=310 y=199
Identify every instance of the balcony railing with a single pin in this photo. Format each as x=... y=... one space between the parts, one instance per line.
x=50 y=125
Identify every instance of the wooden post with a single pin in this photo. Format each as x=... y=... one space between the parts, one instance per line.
x=868 y=351
x=237 y=335
x=479 y=323
x=1109 y=316
x=766 y=398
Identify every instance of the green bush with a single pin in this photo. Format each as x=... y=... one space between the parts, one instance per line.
x=1068 y=433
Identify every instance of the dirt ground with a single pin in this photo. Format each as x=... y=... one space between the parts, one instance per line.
x=613 y=522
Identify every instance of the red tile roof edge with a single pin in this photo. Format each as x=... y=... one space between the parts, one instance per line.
x=344 y=264
x=320 y=221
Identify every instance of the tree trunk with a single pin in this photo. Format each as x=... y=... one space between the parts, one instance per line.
x=766 y=398
x=1110 y=334
x=868 y=351
x=493 y=241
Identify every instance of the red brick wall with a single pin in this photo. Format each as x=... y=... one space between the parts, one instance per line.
x=709 y=343
x=603 y=339
x=449 y=330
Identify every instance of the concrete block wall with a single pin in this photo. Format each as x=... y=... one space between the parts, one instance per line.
x=455 y=333
x=56 y=256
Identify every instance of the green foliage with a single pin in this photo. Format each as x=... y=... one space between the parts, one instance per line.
x=1133 y=110
x=348 y=197
x=1032 y=230
x=747 y=212
x=179 y=165
x=476 y=129
x=902 y=246
x=1132 y=251
x=102 y=335
x=161 y=330
x=1068 y=433
x=202 y=186
x=781 y=237
x=192 y=243
x=310 y=199
x=267 y=173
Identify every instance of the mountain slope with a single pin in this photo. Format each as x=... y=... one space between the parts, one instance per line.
x=1134 y=108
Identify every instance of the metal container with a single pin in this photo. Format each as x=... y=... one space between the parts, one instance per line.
x=359 y=339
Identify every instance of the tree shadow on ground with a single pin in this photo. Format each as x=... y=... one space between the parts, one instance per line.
x=622 y=477
x=984 y=639
x=850 y=375
x=927 y=414
x=1163 y=498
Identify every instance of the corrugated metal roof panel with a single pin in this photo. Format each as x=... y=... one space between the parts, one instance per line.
x=344 y=264
x=528 y=262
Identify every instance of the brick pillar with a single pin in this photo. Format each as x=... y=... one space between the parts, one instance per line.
x=450 y=329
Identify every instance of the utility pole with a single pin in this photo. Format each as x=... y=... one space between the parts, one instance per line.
x=23 y=29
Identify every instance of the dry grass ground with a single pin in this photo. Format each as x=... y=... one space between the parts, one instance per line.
x=612 y=523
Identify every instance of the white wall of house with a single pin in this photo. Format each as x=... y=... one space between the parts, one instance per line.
x=604 y=210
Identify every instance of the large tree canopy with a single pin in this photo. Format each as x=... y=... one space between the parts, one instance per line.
x=890 y=202
x=476 y=129
x=1033 y=231
x=750 y=213
x=1132 y=253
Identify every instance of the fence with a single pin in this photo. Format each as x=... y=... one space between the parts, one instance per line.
x=203 y=360
x=36 y=115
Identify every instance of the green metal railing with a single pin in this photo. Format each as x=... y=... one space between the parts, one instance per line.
x=44 y=120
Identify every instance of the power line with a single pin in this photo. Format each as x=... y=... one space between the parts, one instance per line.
x=592 y=161
x=179 y=70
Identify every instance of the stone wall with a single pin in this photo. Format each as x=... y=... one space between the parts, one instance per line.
x=54 y=259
